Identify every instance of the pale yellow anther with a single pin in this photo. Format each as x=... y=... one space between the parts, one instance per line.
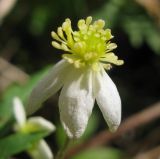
x=100 y=24
x=88 y=20
x=103 y=38
x=60 y=33
x=111 y=46
x=55 y=36
x=68 y=21
x=81 y=25
x=112 y=58
x=76 y=39
x=81 y=22
x=107 y=66
x=76 y=33
x=64 y=47
x=79 y=47
x=66 y=26
x=108 y=34
x=97 y=35
x=56 y=45
x=120 y=62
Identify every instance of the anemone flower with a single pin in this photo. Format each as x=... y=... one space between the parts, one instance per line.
x=82 y=77
x=40 y=149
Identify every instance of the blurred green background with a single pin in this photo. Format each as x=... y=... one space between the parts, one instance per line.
x=25 y=42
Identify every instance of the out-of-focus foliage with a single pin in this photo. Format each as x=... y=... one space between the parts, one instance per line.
x=17 y=143
x=133 y=20
x=11 y=144
x=22 y=92
x=100 y=153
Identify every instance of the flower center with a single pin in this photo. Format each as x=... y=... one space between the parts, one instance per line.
x=89 y=46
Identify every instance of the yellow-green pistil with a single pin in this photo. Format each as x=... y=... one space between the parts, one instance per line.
x=89 y=46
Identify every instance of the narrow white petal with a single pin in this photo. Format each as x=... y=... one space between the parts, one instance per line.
x=108 y=99
x=41 y=151
x=19 y=111
x=76 y=102
x=49 y=85
x=40 y=123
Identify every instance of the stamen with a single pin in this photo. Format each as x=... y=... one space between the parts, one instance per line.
x=88 y=20
x=89 y=46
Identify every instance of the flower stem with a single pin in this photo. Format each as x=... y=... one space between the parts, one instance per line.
x=61 y=152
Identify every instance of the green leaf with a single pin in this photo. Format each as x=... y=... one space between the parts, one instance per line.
x=18 y=142
x=100 y=153
x=60 y=135
x=111 y=12
x=40 y=16
x=153 y=39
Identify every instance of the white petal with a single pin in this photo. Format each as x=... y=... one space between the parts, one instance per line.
x=108 y=99
x=41 y=151
x=39 y=123
x=76 y=102
x=19 y=112
x=49 y=85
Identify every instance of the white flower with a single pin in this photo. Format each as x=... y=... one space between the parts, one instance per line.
x=82 y=77
x=39 y=150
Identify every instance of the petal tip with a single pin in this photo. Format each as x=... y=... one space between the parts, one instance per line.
x=72 y=134
x=42 y=124
x=113 y=128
